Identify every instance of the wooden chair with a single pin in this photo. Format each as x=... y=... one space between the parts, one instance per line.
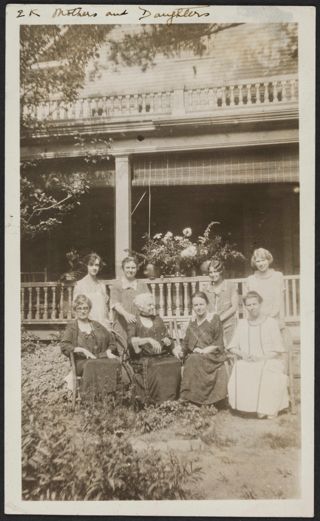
x=287 y=340
x=75 y=383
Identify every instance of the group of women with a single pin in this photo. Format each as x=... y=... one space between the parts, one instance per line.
x=137 y=349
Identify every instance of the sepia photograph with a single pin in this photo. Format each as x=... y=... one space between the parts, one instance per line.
x=157 y=226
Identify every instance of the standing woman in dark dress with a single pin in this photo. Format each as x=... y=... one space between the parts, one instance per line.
x=223 y=298
x=123 y=293
x=205 y=379
x=157 y=372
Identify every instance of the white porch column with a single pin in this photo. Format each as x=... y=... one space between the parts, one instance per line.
x=122 y=209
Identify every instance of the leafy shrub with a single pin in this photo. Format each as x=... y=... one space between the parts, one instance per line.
x=93 y=465
x=29 y=341
x=191 y=418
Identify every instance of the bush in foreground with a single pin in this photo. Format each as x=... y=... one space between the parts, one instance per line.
x=91 y=463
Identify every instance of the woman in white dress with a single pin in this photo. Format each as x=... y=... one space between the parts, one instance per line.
x=94 y=289
x=258 y=382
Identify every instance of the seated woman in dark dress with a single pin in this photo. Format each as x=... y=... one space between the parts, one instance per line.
x=205 y=377
x=157 y=372
x=93 y=348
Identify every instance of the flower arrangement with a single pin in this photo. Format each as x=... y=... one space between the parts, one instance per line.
x=179 y=254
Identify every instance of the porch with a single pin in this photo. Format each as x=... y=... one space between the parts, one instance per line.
x=47 y=306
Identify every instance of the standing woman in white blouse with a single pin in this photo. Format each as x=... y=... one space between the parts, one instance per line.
x=268 y=283
x=94 y=289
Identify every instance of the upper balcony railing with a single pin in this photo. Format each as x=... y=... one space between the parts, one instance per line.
x=251 y=93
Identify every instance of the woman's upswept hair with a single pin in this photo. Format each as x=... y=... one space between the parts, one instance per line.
x=252 y=294
x=91 y=258
x=217 y=265
x=81 y=299
x=142 y=298
x=130 y=258
x=260 y=252
x=200 y=294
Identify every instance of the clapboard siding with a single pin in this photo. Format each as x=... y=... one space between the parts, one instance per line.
x=243 y=52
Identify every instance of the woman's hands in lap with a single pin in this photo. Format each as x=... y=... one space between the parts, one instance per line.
x=85 y=352
x=111 y=355
x=156 y=346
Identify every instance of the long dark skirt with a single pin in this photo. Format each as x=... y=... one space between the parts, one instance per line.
x=99 y=377
x=204 y=381
x=157 y=379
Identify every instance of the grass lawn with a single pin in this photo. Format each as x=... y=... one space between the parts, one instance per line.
x=171 y=452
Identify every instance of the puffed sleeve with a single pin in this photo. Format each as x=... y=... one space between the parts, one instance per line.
x=115 y=293
x=104 y=291
x=276 y=342
x=277 y=304
x=234 y=344
x=77 y=290
x=131 y=331
x=108 y=340
x=66 y=345
x=217 y=331
x=142 y=287
x=186 y=343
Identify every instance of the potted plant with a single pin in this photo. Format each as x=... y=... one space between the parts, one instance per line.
x=168 y=254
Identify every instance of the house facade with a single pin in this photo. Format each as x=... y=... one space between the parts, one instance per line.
x=188 y=141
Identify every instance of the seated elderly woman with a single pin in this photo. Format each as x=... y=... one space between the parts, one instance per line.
x=93 y=348
x=258 y=383
x=157 y=372
x=205 y=378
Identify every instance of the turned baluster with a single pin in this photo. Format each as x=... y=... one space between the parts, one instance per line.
x=266 y=98
x=37 y=314
x=185 y=298
x=232 y=102
x=193 y=290
x=177 y=310
x=258 y=96
x=151 y=102
x=61 y=302
x=294 y=90
x=169 y=301
x=224 y=96
x=157 y=102
x=53 y=309
x=22 y=304
x=143 y=103
x=169 y=103
x=135 y=104
x=161 y=300
x=69 y=313
x=294 y=297
x=45 y=304
x=127 y=103
x=153 y=290
x=287 y=301
x=241 y=94
x=275 y=91
x=30 y=304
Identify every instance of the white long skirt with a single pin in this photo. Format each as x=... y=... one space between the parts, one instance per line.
x=260 y=387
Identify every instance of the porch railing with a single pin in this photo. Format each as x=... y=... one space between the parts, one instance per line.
x=267 y=91
x=51 y=302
